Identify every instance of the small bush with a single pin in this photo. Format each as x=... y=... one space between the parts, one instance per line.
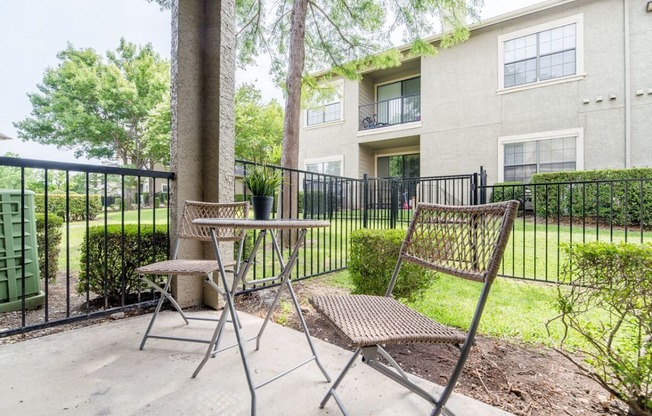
x=373 y=256
x=616 y=278
x=53 y=244
x=120 y=278
x=77 y=205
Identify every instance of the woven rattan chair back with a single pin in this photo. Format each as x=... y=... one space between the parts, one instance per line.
x=193 y=210
x=466 y=242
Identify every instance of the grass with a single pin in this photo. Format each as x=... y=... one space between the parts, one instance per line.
x=515 y=310
x=534 y=250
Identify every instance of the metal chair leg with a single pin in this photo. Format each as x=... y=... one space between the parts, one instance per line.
x=336 y=383
x=164 y=295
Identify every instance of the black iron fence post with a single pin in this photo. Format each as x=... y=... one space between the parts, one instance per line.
x=393 y=204
x=482 y=186
x=365 y=200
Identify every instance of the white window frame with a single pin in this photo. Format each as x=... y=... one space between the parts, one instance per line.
x=337 y=158
x=338 y=98
x=578 y=19
x=579 y=146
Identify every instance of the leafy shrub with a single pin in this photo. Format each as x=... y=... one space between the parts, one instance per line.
x=77 y=203
x=618 y=279
x=623 y=196
x=373 y=256
x=53 y=244
x=507 y=191
x=120 y=278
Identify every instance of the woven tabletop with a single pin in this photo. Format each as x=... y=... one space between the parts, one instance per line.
x=247 y=224
x=371 y=320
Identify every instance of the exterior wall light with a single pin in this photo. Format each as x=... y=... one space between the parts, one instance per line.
x=649 y=7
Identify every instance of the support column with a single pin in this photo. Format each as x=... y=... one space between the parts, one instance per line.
x=203 y=126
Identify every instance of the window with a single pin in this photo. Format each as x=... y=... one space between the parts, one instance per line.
x=399 y=102
x=328 y=108
x=324 y=114
x=543 y=53
x=164 y=189
x=328 y=167
x=399 y=166
x=522 y=156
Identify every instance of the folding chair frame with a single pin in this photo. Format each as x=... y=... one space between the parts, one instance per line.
x=371 y=352
x=187 y=230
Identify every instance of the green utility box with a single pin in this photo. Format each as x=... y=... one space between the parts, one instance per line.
x=11 y=246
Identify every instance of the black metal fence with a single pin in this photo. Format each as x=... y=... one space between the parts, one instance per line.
x=102 y=222
x=111 y=213
x=554 y=215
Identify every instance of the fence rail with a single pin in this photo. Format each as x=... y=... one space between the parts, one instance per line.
x=99 y=220
x=110 y=226
x=553 y=215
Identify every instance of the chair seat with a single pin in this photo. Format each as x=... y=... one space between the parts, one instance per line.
x=187 y=267
x=374 y=320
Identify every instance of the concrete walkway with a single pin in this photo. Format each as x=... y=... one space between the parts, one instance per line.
x=99 y=370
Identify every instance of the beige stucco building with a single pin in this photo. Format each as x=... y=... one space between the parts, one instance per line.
x=561 y=85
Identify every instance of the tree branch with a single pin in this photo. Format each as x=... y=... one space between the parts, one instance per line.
x=328 y=50
x=337 y=28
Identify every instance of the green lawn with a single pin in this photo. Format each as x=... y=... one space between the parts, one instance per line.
x=516 y=310
x=534 y=250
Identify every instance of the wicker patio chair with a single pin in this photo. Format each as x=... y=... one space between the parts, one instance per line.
x=185 y=267
x=466 y=242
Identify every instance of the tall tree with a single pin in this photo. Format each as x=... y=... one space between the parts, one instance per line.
x=101 y=107
x=307 y=35
x=258 y=126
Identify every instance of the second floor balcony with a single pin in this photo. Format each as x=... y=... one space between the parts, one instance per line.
x=391 y=112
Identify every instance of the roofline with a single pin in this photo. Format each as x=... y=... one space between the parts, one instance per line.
x=4 y=137
x=518 y=13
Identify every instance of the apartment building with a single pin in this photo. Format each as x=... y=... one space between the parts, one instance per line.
x=561 y=85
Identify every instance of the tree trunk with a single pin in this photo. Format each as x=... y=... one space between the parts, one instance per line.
x=290 y=156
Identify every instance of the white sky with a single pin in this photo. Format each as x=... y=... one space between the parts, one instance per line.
x=34 y=31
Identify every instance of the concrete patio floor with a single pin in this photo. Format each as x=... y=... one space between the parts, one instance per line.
x=99 y=370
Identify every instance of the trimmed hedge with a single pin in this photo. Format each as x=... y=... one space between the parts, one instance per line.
x=55 y=232
x=153 y=248
x=57 y=205
x=624 y=196
x=507 y=191
x=373 y=256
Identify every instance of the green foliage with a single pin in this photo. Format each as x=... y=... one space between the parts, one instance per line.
x=124 y=253
x=262 y=180
x=53 y=244
x=507 y=191
x=617 y=202
x=373 y=255
x=77 y=205
x=616 y=278
x=258 y=127
x=102 y=108
x=338 y=34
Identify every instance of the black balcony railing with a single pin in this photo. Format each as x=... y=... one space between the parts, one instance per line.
x=401 y=110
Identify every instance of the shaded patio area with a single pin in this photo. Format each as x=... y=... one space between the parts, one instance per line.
x=99 y=370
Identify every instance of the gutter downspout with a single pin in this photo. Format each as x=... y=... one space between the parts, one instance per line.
x=628 y=98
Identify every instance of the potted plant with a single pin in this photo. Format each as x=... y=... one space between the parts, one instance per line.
x=262 y=181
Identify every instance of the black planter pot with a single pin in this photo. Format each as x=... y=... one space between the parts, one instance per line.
x=262 y=206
